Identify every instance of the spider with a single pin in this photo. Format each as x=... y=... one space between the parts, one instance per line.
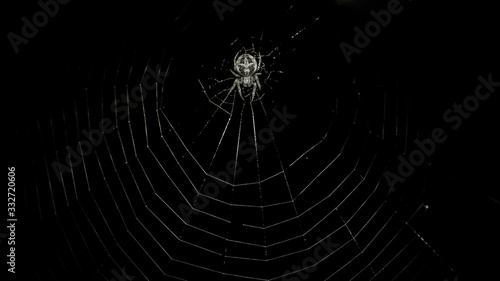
x=246 y=70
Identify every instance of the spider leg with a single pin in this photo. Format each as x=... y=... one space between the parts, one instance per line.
x=234 y=85
x=258 y=64
x=258 y=96
x=235 y=57
x=239 y=89
x=256 y=77
x=253 y=91
x=234 y=61
x=234 y=73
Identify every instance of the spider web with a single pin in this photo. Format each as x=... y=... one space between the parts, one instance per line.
x=139 y=201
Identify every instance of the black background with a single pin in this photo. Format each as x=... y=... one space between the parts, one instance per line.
x=430 y=55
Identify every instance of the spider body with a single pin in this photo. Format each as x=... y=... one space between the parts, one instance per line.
x=246 y=70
